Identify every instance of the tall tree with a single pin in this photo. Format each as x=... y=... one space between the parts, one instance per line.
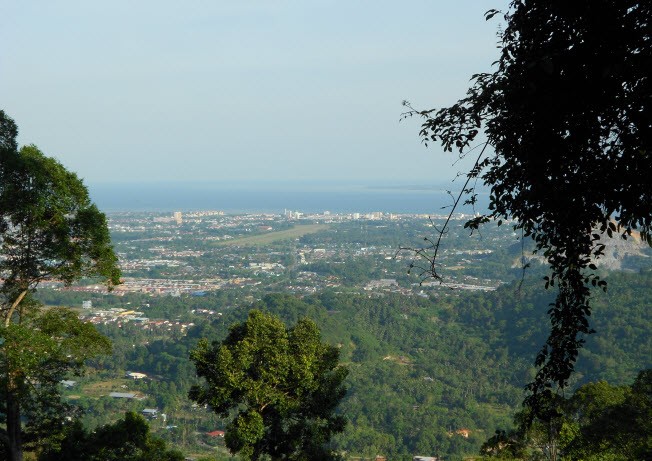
x=49 y=230
x=566 y=115
x=282 y=384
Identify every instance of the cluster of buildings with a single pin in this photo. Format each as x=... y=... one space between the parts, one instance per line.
x=164 y=286
x=120 y=316
x=190 y=253
x=327 y=216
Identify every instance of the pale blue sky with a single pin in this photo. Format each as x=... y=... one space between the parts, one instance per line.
x=263 y=90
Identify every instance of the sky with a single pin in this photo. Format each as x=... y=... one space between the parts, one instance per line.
x=256 y=90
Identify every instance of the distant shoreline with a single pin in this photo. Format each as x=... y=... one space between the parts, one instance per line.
x=275 y=197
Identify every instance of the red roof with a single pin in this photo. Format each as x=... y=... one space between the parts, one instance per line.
x=215 y=434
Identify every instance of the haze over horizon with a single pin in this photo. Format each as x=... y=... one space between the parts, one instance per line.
x=262 y=91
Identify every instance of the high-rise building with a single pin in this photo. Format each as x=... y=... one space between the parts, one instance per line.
x=178 y=217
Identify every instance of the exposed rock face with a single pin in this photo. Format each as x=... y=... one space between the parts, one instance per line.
x=617 y=249
x=616 y=252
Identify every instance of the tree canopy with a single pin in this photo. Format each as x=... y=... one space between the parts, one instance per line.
x=566 y=121
x=598 y=422
x=128 y=439
x=282 y=384
x=49 y=230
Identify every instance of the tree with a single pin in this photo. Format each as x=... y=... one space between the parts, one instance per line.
x=282 y=384
x=37 y=355
x=128 y=439
x=49 y=230
x=598 y=422
x=504 y=445
x=567 y=112
x=613 y=422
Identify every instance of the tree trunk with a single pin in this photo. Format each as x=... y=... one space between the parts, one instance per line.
x=15 y=447
x=13 y=306
x=14 y=433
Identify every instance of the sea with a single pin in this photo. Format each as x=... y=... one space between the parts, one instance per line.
x=275 y=197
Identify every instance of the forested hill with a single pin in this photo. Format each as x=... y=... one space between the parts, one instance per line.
x=424 y=370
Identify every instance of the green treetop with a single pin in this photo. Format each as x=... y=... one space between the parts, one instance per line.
x=282 y=385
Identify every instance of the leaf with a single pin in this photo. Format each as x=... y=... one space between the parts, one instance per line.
x=490 y=14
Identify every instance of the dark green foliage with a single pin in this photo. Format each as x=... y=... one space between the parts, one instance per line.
x=128 y=439
x=49 y=229
x=613 y=421
x=283 y=384
x=598 y=422
x=8 y=135
x=567 y=112
x=40 y=352
x=52 y=228
x=504 y=445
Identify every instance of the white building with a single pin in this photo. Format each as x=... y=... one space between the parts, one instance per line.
x=135 y=375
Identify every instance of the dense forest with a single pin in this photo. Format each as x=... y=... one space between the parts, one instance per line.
x=430 y=376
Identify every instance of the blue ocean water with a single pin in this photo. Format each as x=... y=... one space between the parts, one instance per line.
x=277 y=197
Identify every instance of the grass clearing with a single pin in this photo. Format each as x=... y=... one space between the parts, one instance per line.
x=271 y=237
x=103 y=388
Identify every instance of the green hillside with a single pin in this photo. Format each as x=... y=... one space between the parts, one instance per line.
x=431 y=376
